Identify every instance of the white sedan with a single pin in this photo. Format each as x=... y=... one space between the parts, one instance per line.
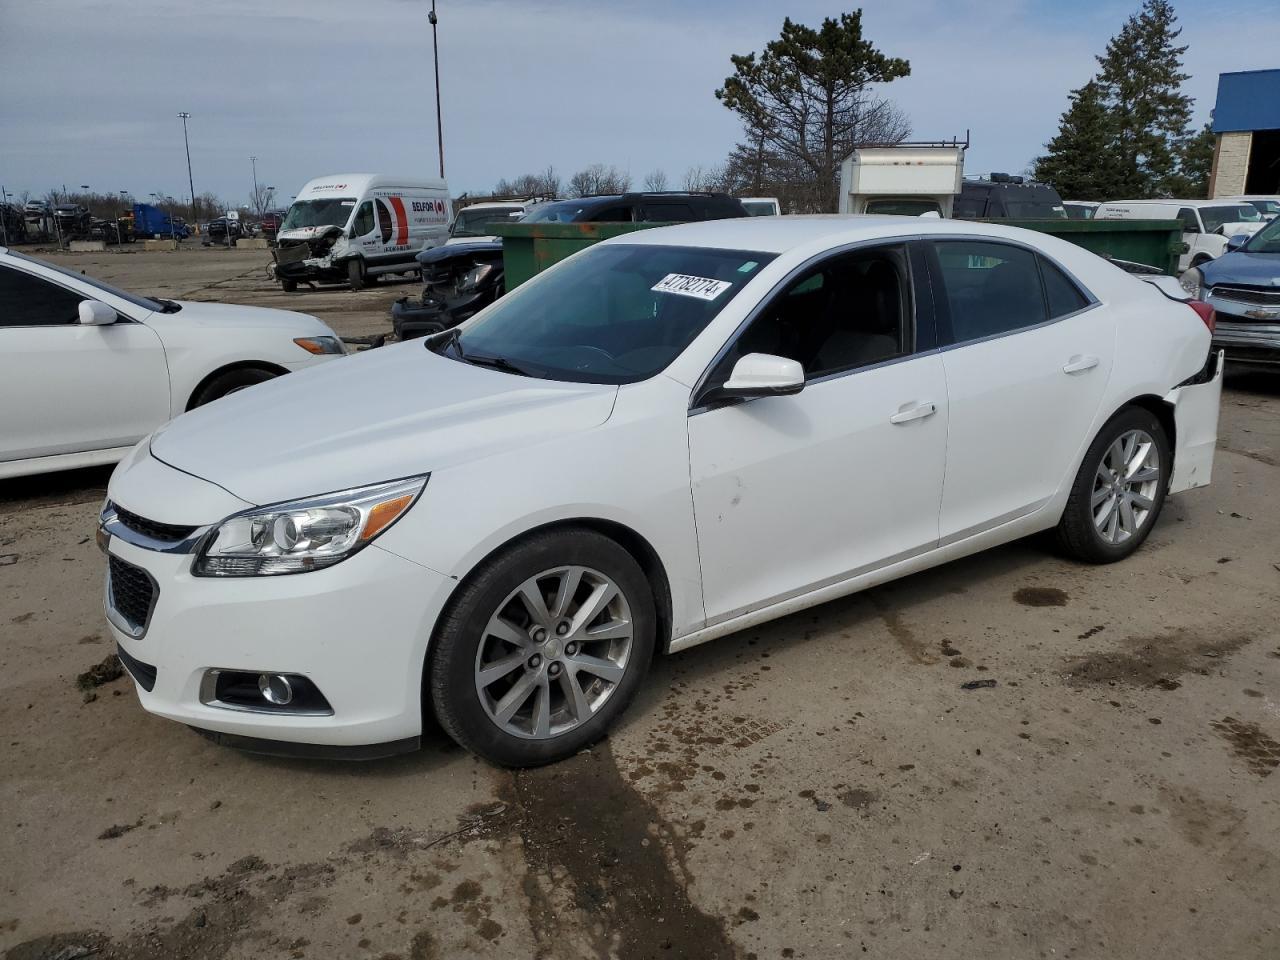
x=666 y=438
x=87 y=370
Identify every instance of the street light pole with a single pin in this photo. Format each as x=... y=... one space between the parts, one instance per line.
x=195 y=220
x=435 y=56
x=257 y=202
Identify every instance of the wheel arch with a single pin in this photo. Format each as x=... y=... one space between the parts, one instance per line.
x=273 y=368
x=1162 y=411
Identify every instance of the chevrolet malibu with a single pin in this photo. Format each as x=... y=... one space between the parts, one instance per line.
x=86 y=370
x=666 y=438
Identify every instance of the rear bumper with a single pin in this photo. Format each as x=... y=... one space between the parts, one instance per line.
x=1195 y=414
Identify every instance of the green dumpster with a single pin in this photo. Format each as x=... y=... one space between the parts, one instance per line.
x=1154 y=243
x=529 y=248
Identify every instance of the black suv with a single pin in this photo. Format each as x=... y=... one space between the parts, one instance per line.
x=1008 y=198
x=461 y=278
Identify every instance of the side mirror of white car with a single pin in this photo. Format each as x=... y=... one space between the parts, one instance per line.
x=95 y=313
x=761 y=375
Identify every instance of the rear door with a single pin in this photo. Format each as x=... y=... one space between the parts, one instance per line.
x=1027 y=353
x=68 y=388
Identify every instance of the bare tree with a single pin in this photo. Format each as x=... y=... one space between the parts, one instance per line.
x=260 y=200
x=599 y=179
x=655 y=180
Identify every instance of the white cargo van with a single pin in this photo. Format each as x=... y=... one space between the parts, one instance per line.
x=354 y=226
x=907 y=180
x=1206 y=224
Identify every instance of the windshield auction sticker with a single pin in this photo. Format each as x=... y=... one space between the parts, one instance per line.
x=701 y=287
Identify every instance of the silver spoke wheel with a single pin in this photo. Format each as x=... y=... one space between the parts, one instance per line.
x=1125 y=486
x=553 y=652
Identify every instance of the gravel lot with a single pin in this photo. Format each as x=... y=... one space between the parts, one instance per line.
x=819 y=787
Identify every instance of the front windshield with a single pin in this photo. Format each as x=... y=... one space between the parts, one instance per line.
x=760 y=208
x=616 y=313
x=1215 y=217
x=562 y=211
x=1268 y=208
x=902 y=208
x=1076 y=211
x=145 y=302
x=1266 y=240
x=325 y=212
x=472 y=223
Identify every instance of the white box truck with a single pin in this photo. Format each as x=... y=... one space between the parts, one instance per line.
x=907 y=179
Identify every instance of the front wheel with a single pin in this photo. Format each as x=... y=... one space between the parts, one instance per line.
x=356 y=275
x=1119 y=491
x=288 y=286
x=232 y=381
x=543 y=649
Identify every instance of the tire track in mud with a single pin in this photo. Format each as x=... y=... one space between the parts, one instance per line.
x=595 y=845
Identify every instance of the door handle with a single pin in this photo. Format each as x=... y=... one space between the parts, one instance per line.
x=917 y=412
x=1079 y=364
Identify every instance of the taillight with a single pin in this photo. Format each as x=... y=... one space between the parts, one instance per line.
x=1204 y=312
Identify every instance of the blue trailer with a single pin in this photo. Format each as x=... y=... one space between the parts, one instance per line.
x=149 y=221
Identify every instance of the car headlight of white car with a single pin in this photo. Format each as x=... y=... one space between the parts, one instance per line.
x=320 y=345
x=305 y=535
x=1193 y=282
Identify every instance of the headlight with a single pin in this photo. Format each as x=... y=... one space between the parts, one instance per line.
x=476 y=276
x=320 y=345
x=1193 y=282
x=305 y=534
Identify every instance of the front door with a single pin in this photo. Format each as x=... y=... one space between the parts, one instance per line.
x=794 y=493
x=67 y=388
x=1027 y=355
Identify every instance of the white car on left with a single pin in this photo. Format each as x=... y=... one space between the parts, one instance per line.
x=87 y=370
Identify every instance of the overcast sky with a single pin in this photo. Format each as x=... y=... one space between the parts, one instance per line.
x=92 y=88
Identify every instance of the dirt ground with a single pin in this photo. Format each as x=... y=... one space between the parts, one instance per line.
x=824 y=786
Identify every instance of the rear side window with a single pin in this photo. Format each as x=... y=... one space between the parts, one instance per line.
x=30 y=301
x=618 y=214
x=991 y=289
x=660 y=212
x=1063 y=295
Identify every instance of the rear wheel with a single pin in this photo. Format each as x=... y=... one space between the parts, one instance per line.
x=356 y=275
x=288 y=286
x=1120 y=488
x=544 y=648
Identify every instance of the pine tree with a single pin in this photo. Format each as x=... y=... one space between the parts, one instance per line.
x=1195 y=165
x=1080 y=163
x=1142 y=79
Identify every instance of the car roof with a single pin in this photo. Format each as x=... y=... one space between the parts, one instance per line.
x=1220 y=202
x=780 y=234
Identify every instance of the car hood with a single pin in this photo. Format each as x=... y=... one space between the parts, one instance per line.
x=464 y=248
x=306 y=233
x=1242 y=266
x=227 y=316
x=388 y=413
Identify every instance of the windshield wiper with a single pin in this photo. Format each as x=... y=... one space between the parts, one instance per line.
x=497 y=363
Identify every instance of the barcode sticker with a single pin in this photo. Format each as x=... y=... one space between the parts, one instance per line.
x=703 y=288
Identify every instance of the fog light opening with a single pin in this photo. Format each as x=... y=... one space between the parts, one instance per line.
x=275 y=689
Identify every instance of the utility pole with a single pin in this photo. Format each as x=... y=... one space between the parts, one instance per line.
x=195 y=220
x=257 y=202
x=4 y=215
x=435 y=56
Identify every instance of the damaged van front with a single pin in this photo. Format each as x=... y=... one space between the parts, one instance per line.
x=312 y=243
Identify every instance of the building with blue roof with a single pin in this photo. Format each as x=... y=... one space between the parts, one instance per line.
x=1246 y=123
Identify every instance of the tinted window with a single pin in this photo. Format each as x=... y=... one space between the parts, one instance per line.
x=848 y=312
x=615 y=313
x=363 y=222
x=991 y=288
x=660 y=212
x=970 y=208
x=1190 y=224
x=30 y=301
x=615 y=214
x=902 y=207
x=1063 y=295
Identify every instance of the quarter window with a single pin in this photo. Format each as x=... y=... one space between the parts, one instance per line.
x=1063 y=295
x=30 y=301
x=991 y=289
x=848 y=312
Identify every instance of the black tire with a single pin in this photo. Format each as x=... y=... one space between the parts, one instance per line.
x=452 y=659
x=1077 y=534
x=356 y=275
x=288 y=286
x=230 y=382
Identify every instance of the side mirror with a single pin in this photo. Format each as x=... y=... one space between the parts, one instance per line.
x=95 y=313
x=1238 y=241
x=761 y=375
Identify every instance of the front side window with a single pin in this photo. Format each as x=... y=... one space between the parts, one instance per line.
x=1190 y=222
x=1266 y=240
x=31 y=301
x=363 y=222
x=1215 y=217
x=847 y=312
x=616 y=313
x=990 y=289
x=324 y=212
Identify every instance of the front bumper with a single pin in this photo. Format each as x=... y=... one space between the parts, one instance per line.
x=358 y=630
x=1247 y=340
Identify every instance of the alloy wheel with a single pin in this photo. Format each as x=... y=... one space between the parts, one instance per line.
x=553 y=652
x=1125 y=486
